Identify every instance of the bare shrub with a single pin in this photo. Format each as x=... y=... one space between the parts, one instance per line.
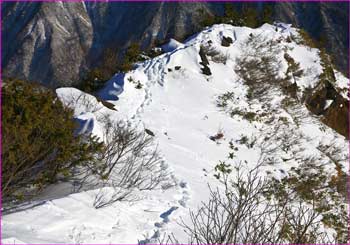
x=216 y=55
x=315 y=183
x=295 y=110
x=220 y=58
x=129 y=161
x=223 y=100
x=259 y=66
x=333 y=152
x=294 y=71
x=84 y=100
x=244 y=213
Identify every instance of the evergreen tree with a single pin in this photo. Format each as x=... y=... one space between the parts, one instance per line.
x=38 y=139
x=267 y=15
x=294 y=70
x=132 y=55
x=232 y=16
x=251 y=17
x=328 y=71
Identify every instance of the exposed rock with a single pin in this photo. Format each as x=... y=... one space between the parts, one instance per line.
x=107 y=104
x=206 y=70
x=336 y=115
x=204 y=58
x=317 y=101
x=205 y=63
x=226 y=41
x=149 y=132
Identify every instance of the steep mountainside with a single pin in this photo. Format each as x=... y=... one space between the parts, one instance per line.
x=230 y=97
x=56 y=43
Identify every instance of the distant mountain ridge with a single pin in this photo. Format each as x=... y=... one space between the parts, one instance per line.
x=57 y=43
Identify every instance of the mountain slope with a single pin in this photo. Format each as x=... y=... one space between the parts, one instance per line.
x=57 y=43
x=198 y=120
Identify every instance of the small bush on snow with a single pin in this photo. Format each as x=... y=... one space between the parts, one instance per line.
x=129 y=161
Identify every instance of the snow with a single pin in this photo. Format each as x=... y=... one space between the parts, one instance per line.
x=342 y=84
x=113 y=88
x=310 y=63
x=328 y=104
x=179 y=106
x=171 y=45
x=88 y=112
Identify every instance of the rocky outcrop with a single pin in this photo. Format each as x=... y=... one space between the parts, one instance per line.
x=337 y=116
x=334 y=108
x=226 y=41
x=56 y=43
x=204 y=62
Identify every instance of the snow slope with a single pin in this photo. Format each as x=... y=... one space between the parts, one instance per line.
x=179 y=107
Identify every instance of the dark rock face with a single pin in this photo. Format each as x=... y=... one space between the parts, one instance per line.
x=336 y=115
x=317 y=101
x=204 y=62
x=226 y=41
x=56 y=43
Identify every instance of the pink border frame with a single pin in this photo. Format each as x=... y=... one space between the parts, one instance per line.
x=1 y=1
x=175 y=1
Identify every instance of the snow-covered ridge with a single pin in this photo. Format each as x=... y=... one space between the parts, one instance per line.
x=179 y=104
